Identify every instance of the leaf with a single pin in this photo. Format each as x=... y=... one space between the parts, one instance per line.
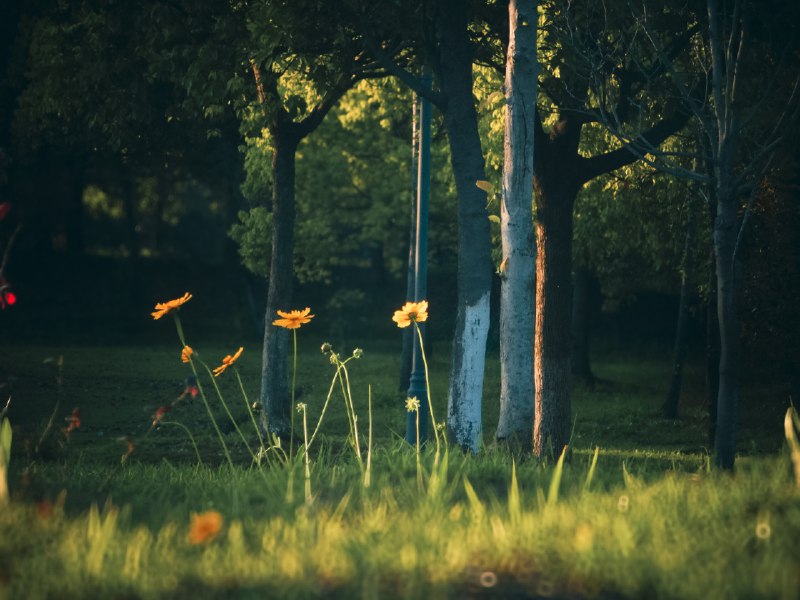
x=790 y=426
x=555 y=482
x=484 y=185
x=592 y=467
x=514 y=504
x=478 y=509
x=5 y=442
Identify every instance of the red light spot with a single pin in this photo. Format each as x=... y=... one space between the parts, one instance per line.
x=11 y=298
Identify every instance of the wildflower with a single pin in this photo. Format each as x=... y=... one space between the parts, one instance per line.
x=160 y=412
x=325 y=348
x=163 y=308
x=227 y=362
x=412 y=404
x=205 y=527
x=301 y=407
x=186 y=353
x=412 y=312
x=358 y=353
x=293 y=319
x=73 y=422
x=130 y=447
x=7 y=297
x=44 y=509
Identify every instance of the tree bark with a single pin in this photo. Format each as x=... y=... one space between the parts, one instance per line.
x=515 y=425
x=275 y=393
x=581 y=316
x=552 y=342
x=725 y=234
x=672 y=401
x=474 y=259
x=408 y=339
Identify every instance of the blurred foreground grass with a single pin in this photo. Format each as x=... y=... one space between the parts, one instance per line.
x=653 y=523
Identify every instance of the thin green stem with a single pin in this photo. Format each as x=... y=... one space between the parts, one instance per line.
x=294 y=379
x=308 y=468
x=191 y=438
x=325 y=406
x=368 y=473
x=249 y=409
x=349 y=399
x=227 y=410
x=428 y=389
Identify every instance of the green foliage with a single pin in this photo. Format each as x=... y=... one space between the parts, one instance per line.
x=253 y=234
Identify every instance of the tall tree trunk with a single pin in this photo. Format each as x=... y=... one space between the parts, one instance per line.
x=552 y=343
x=725 y=234
x=408 y=339
x=516 y=224
x=275 y=393
x=474 y=260
x=672 y=401
x=581 y=316
x=712 y=348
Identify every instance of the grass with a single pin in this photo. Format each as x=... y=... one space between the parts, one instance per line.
x=654 y=522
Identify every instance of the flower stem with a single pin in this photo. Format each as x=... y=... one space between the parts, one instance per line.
x=191 y=438
x=428 y=388
x=249 y=410
x=227 y=410
x=294 y=379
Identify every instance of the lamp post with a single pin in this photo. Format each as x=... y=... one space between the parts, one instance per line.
x=416 y=386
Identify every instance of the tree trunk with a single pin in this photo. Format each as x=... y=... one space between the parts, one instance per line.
x=672 y=401
x=581 y=316
x=408 y=339
x=516 y=224
x=474 y=260
x=275 y=393
x=552 y=343
x=725 y=234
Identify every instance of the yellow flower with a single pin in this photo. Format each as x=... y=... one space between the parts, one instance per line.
x=205 y=527
x=412 y=312
x=227 y=362
x=293 y=319
x=412 y=404
x=163 y=308
x=186 y=353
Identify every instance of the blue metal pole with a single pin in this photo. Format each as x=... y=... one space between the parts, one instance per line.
x=417 y=383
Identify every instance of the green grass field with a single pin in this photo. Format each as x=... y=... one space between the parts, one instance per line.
x=650 y=520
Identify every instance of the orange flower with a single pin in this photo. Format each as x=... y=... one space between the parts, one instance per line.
x=227 y=362
x=186 y=353
x=205 y=527
x=73 y=422
x=160 y=413
x=163 y=308
x=412 y=312
x=293 y=319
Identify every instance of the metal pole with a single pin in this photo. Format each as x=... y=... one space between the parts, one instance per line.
x=417 y=383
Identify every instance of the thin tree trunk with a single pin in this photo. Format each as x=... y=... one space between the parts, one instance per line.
x=725 y=234
x=552 y=349
x=474 y=260
x=275 y=393
x=517 y=297
x=408 y=340
x=581 y=314
x=672 y=401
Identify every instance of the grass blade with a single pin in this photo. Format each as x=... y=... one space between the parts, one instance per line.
x=592 y=469
x=555 y=482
